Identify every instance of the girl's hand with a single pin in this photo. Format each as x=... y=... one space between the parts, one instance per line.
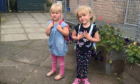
x=59 y=27
x=48 y=29
x=51 y=24
x=87 y=35
x=80 y=36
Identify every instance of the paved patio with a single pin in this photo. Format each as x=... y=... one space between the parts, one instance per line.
x=27 y=62
x=24 y=26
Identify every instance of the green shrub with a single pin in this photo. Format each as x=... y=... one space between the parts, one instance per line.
x=48 y=4
x=110 y=38
x=133 y=53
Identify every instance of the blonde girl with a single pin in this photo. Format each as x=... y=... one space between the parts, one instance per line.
x=57 y=43
x=84 y=42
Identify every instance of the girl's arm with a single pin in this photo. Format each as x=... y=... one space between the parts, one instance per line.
x=75 y=37
x=48 y=29
x=95 y=39
x=64 y=31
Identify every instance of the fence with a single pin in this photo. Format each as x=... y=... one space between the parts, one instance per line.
x=124 y=14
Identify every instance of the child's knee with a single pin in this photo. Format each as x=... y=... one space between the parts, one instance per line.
x=53 y=62
x=61 y=63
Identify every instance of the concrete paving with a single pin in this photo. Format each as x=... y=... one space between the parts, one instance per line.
x=27 y=62
x=24 y=26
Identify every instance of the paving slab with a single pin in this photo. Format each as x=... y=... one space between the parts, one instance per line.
x=31 y=25
x=39 y=77
x=101 y=79
x=40 y=45
x=47 y=15
x=42 y=21
x=28 y=22
x=11 y=26
x=44 y=25
x=9 y=15
x=12 y=72
x=41 y=48
x=27 y=19
x=33 y=36
x=10 y=18
x=35 y=30
x=38 y=15
x=17 y=43
x=1 y=60
x=6 y=51
x=12 y=31
x=23 y=15
x=40 y=42
x=30 y=56
x=13 y=37
x=10 y=22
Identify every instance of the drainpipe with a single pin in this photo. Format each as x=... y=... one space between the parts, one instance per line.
x=8 y=6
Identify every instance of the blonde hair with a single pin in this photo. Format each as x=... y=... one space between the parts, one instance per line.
x=85 y=10
x=56 y=7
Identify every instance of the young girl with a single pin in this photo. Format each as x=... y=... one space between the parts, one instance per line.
x=57 y=44
x=84 y=42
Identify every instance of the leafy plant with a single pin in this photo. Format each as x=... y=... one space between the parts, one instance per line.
x=133 y=53
x=110 y=38
x=48 y=4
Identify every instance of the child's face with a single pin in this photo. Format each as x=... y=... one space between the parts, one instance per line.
x=55 y=15
x=84 y=17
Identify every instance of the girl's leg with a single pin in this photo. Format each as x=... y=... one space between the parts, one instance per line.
x=79 y=67
x=62 y=64
x=79 y=64
x=54 y=62
x=86 y=60
x=62 y=67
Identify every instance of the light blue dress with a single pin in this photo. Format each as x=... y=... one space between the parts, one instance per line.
x=57 y=44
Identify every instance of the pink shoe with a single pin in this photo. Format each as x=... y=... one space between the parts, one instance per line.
x=76 y=81
x=85 y=81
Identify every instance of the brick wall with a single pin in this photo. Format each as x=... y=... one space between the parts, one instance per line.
x=109 y=10
x=73 y=5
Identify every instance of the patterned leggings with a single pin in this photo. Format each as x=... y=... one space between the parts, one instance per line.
x=82 y=63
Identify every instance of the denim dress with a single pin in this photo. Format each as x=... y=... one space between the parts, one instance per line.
x=57 y=44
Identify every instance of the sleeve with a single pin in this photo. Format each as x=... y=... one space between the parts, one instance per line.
x=95 y=29
x=48 y=23
x=76 y=27
x=63 y=24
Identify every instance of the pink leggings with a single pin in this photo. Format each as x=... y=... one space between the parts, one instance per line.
x=61 y=63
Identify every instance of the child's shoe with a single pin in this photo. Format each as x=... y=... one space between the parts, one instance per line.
x=85 y=81
x=76 y=81
x=58 y=77
x=50 y=73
